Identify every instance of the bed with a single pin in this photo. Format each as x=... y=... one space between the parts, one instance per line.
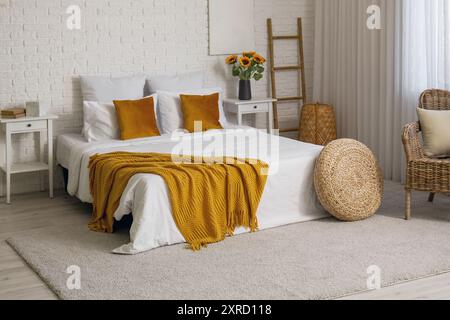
x=289 y=196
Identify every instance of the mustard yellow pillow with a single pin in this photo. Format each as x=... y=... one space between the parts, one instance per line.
x=201 y=108
x=137 y=118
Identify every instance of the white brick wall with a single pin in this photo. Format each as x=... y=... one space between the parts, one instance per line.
x=41 y=59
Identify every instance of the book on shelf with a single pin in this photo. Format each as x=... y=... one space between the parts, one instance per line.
x=15 y=116
x=13 y=111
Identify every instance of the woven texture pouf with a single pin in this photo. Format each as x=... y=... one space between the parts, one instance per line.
x=348 y=180
x=317 y=124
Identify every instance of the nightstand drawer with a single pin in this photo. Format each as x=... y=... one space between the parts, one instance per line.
x=27 y=126
x=254 y=108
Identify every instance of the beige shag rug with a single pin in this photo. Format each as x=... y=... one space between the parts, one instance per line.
x=314 y=260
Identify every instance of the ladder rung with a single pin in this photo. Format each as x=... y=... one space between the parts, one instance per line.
x=286 y=38
x=290 y=98
x=289 y=130
x=287 y=68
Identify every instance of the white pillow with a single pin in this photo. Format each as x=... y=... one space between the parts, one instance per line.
x=108 y=89
x=175 y=83
x=170 y=113
x=100 y=121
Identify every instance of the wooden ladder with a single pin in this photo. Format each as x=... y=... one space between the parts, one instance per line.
x=300 y=68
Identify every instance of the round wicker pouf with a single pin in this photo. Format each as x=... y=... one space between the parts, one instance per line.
x=348 y=180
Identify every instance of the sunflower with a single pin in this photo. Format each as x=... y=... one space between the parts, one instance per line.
x=249 y=54
x=245 y=62
x=259 y=59
x=231 y=59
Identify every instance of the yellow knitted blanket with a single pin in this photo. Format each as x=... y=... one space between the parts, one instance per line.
x=209 y=201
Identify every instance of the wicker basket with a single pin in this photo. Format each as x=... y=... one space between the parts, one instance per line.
x=317 y=124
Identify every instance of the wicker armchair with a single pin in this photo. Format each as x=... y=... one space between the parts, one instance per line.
x=423 y=173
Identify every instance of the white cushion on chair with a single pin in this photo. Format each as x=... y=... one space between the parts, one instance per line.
x=436 y=132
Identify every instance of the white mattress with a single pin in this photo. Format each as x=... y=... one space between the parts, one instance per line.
x=288 y=198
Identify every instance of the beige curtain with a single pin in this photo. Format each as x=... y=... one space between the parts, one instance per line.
x=355 y=71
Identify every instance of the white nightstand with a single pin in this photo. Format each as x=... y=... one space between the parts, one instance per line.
x=254 y=106
x=43 y=125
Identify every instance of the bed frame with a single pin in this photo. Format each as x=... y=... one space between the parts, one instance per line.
x=65 y=173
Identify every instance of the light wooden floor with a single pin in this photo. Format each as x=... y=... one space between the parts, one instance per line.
x=34 y=211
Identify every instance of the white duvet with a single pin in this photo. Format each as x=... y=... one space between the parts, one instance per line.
x=288 y=198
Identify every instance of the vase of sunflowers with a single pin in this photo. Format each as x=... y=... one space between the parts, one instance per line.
x=247 y=67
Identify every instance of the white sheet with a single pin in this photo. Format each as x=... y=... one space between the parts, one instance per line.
x=64 y=145
x=289 y=196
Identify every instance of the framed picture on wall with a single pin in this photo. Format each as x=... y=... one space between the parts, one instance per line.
x=231 y=26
